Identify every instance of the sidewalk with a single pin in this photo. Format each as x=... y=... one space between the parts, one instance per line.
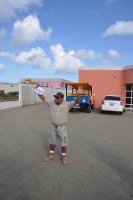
x=9 y=104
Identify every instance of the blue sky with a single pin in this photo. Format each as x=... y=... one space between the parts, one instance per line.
x=54 y=38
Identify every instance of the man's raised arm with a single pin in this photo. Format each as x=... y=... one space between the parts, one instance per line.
x=42 y=97
x=80 y=91
x=40 y=92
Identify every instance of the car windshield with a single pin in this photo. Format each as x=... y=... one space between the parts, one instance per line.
x=113 y=98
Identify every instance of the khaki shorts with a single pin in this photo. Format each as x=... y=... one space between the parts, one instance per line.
x=58 y=132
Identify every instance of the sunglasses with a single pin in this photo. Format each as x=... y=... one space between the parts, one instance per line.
x=57 y=97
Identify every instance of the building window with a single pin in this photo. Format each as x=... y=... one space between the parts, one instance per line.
x=129 y=97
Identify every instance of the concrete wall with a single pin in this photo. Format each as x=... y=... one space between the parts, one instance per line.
x=55 y=83
x=9 y=87
x=9 y=104
x=27 y=95
x=128 y=76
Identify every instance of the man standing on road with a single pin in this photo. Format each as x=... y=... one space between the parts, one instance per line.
x=58 y=129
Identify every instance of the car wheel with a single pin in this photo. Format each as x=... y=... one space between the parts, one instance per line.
x=88 y=108
x=121 y=113
x=92 y=107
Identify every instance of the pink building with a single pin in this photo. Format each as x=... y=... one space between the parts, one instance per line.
x=55 y=83
x=110 y=82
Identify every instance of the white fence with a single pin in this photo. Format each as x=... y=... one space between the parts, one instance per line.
x=9 y=87
x=9 y=104
x=27 y=95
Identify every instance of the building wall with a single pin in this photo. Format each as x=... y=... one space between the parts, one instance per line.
x=9 y=87
x=128 y=76
x=28 y=96
x=104 y=82
x=55 y=83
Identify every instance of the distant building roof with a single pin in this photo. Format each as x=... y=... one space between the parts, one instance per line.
x=128 y=67
x=48 y=80
x=6 y=83
x=101 y=68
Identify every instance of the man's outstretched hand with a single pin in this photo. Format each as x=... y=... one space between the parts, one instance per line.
x=80 y=90
x=39 y=91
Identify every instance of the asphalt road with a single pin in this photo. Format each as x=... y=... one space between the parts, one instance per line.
x=100 y=157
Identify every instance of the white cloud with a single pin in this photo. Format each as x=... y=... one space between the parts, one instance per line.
x=8 y=8
x=72 y=60
x=62 y=61
x=65 y=62
x=2 y=33
x=113 y=54
x=4 y=54
x=106 y=61
x=36 y=57
x=120 y=28
x=1 y=66
x=29 y=30
x=90 y=54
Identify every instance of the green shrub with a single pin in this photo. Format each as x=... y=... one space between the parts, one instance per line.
x=2 y=93
x=12 y=94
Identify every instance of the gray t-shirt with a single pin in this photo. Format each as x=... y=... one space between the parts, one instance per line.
x=59 y=112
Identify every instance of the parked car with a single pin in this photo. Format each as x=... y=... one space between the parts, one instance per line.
x=112 y=103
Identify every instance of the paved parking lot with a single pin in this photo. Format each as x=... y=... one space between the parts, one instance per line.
x=100 y=157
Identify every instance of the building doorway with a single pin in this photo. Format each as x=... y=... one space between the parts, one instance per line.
x=129 y=97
